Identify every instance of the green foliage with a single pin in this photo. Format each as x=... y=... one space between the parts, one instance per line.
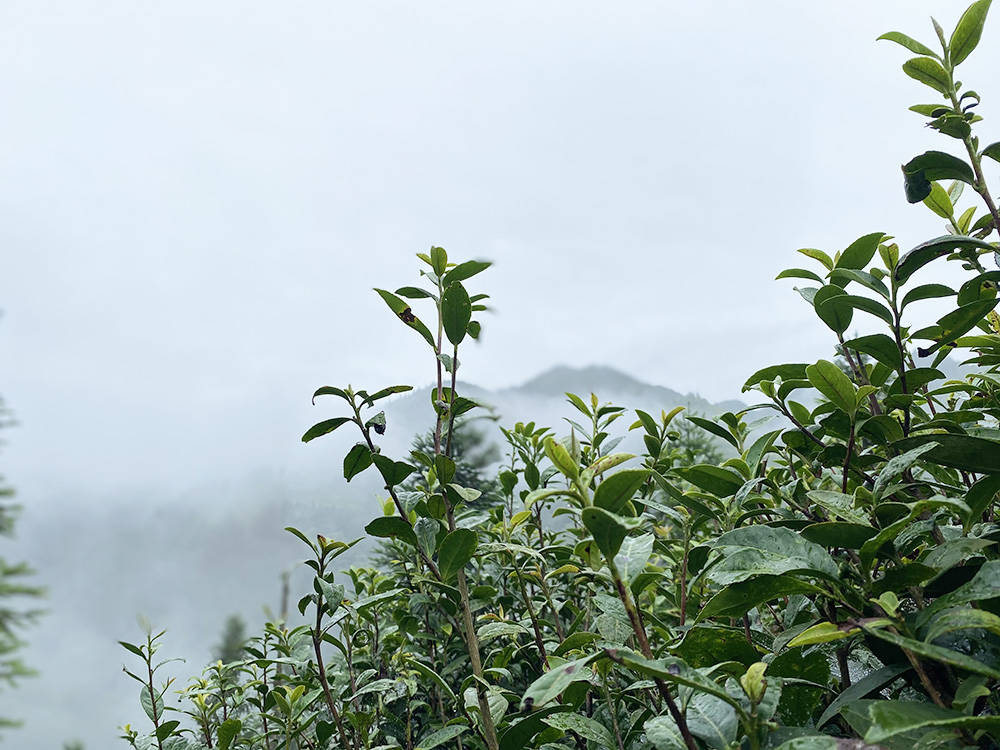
x=832 y=580
x=16 y=594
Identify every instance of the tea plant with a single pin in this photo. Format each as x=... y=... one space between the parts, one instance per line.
x=833 y=583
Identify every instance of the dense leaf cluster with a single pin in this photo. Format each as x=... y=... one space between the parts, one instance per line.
x=834 y=582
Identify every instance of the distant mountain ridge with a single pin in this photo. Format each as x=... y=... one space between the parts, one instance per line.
x=602 y=379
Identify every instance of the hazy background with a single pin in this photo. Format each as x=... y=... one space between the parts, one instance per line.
x=197 y=198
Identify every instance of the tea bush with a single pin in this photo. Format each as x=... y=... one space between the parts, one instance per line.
x=835 y=583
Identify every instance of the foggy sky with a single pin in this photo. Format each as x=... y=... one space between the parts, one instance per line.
x=199 y=196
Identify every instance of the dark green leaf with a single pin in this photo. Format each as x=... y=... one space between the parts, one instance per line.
x=830 y=380
x=838 y=534
x=456 y=312
x=393 y=472
x=865 y=686
x=993 y=151
x=926 y=291
x=880 y=347
x=925 y=252
x=890 y=718
x=718 y=480
x=937 y=653
x=457 y=549
x=608 y=529
x=392 y=527
x=933 y=165
x=618 y=488
x=405 y=313
x=715 y=429
x=392 y=389
x=464 y=271
x=227 y=732
x=329 y=390
x=860 y=252
x=785 y=372
x=357 y=460
x=324 y=427
x=831 y=309
x=736 y=599
x=555 y=681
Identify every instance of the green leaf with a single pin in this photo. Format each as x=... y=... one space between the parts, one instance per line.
x=519 y=734
x=493 y=630
x=895 y=467
x=433 y=676
x=969 y=30
x=736 y=599
x=705 y=646
x=925 y=252
x=962 y=618
x=926 y=291
x=821 y=632
x=618 y=488
x=964 y=452
x=393 y=472
x=457 y=549
x=441 y=736
x=838 y=505
x=756 y=452
x=719 y=481
x=607 y=529
x=426 y=530
x=392 y=527
x=464 y=271
x=868 y=684
x=890 y=718
x=412 y=292
x=860 y=252
x=933 y=165
x=785 y=372
x=757 y=550
x=581 y=725
x=928 y=71
x=959 y=322
x=324 y=427
x=799 y=273
x=838 y=534
x=357 y=460
x=831 y=309
x=980 y=496
x=811 y=252
x=879 y=347
x=937 y=653
x=662 y=731
x=560 y=458
x=716 y=429
x=405 y=313
x=383 y=393
x=439 y=260
x=830 y=380
x=911 y=44
x=993 y=151
x=712 y=720
x=329 y=390
x=166 y=729
x=939 y=202
x=227 y=732
x=632 y=557
x=555 y=681
x=456 y=312
x=146 y=699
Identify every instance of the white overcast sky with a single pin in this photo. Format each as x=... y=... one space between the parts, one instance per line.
x=197 y=198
